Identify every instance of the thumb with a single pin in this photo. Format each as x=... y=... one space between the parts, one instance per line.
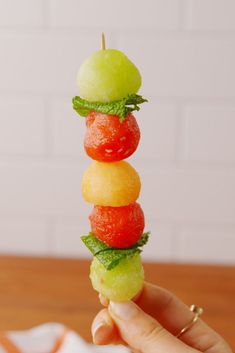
x=143 y=333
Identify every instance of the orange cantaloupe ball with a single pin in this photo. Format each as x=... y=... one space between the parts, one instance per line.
x=111 y=184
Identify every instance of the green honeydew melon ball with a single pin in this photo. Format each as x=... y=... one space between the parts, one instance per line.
x=108 y=75
x=121 y=283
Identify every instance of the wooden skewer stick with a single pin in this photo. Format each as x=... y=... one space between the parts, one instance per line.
x=102 y=41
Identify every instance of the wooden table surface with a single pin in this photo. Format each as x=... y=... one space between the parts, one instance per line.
x=36 y=290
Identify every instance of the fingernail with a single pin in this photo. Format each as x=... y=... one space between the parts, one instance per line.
x=100 y=330
x=125 y=310
x=103 y=300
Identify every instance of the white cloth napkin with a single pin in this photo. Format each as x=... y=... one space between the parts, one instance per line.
x=50 y=338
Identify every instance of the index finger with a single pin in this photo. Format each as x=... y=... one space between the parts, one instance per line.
x=173 y=314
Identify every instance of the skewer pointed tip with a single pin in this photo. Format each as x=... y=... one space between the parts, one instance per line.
x=102 y=41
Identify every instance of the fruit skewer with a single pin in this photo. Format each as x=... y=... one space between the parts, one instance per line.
x=108 y=83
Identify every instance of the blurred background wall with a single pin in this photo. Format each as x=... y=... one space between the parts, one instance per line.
x=185 y=51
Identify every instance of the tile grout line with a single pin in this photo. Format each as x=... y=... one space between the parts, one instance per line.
x=140 y=33
x=47 y=13
x=180 y=135
x=48 y=126
x=183 y=12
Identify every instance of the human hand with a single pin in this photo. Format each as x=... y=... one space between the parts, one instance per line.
x=151 y=323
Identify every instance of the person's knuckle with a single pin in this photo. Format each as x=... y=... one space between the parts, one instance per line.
x=153 y=333
x=169 y=300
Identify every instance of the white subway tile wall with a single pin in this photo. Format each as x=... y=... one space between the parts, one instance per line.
x=22 y=129
x=185 y=51
x=16 y=236
x=21 y=13
x=114 y=15
x=211 y=15
x=215 y=142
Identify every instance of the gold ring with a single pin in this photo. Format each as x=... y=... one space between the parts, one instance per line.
x=197 y=313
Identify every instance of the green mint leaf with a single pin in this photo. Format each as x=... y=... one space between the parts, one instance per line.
x=120 y=107
x=143 y=240
x=94 y=244
x=111 y=258
x=108 y=256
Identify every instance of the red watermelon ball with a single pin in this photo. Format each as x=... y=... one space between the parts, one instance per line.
x=118 y=227
x=108 y=139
